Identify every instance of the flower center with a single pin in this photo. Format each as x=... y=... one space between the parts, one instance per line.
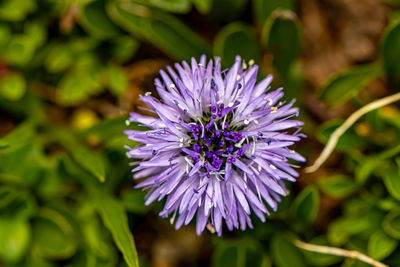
x=215 y=141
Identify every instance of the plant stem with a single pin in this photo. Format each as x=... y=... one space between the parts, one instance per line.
x=338 y=252
x=330 y=146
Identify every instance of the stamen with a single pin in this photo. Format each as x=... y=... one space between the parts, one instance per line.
x=173 y=217
x=240 y=143
x=251 y=62
x=223 y=123
x=211 y=228
x=189 y=161
x=202 y=129
x=127 y=122
x=274 y=110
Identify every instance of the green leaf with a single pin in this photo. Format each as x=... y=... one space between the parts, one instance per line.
x=114 y=218
x=282 y=37
x=365 y=168
x=18 y=137
x=286 y=254
x=340 y=230
x=96 y=22
x=15 y=236
x=338 y=186
x=161 y=29
x=53 y=235
x=390 y=52
x=117 y=79
x=89 y=160
x=19 y=50
x=336 y=235
x=30 y=156
x=380 y=245
x=203 y=6
x=82 y=81
x=71 y=90
x=93 y=234
x=86 y=158
x=245 y=43
x=306 y=204
x=391 y=224
x=176 y=6
x=60 y=57
x=124 y=47
x=7 y=195
x=13 y=86
x=11 y=10
x=392 y=183
x=346 y=84
x=36 y=31
x=110 y=132
x=262 y=9
x=5 y=35
x=16 y=205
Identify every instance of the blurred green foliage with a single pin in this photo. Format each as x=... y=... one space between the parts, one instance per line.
x=66 y=195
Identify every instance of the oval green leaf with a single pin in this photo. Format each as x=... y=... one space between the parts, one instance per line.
x=391 y=224
x=391 y=53
x=282 y=37
x=346 y=84
x=392 y=183
x=338 y=186
x=380 y=245
x=245 y=43
x=96 y=22
x=15 y=236
x=18 y=137
x=53 y=235
x=117 y=79
x=306 y=204
x=176 y=6
x=286 y=254
x=13 y=86
x=59 y=58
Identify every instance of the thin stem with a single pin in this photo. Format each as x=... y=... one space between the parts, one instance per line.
x=330 y=146
x=339 y=252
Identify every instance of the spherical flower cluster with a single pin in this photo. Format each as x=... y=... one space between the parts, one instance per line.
x=215 y=146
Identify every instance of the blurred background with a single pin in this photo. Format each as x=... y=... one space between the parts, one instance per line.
x=71 y=70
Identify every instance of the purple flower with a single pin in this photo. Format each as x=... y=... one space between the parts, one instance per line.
x=215 y=148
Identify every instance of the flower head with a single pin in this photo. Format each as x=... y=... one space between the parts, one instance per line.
x=215 y=148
